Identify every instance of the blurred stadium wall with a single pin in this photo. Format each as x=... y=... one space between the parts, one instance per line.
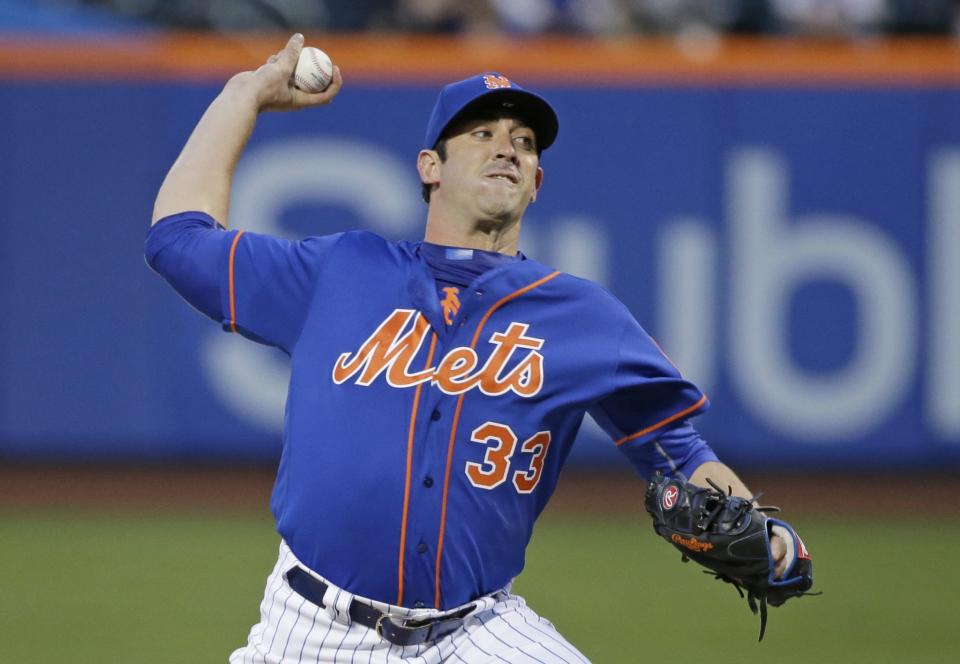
x=783 y=216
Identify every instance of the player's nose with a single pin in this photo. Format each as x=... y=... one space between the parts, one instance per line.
x=508 y=153
x=504 y=146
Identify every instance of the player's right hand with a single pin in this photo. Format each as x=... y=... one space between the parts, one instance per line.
x=272 y=83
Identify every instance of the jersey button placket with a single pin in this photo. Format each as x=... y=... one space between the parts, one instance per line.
x=438 y=407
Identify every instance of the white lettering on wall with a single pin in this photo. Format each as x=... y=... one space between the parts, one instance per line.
x=687 y=298
x=942 y=394
x=772 y=256
x=382 y=190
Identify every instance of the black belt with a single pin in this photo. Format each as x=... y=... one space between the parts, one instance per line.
x=409 y=633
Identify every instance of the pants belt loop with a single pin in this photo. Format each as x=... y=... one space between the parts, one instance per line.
x=486 y=603
x=337 y=602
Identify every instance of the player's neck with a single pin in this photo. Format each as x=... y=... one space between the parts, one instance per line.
x=485 y=235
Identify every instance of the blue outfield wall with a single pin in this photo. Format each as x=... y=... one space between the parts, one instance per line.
x=795 y=249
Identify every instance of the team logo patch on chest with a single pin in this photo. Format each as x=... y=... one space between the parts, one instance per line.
x=390 y=350
x=450 y=304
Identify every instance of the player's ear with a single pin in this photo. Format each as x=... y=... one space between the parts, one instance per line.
x=537 y=183
x=428 y=165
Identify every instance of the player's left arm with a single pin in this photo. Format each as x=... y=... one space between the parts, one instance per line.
x=723 y=476
x=646 y=410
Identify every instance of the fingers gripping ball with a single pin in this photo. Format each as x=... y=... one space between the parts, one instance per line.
x=314 y=70
x=730 y=536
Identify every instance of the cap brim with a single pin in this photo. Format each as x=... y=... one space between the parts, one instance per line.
x=532 y=108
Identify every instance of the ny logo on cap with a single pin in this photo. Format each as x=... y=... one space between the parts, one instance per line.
x=495 y=82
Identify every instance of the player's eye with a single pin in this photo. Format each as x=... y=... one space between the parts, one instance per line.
x=482 y=133
x=526 y=142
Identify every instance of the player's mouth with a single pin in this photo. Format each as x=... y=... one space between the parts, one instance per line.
x=505 y=175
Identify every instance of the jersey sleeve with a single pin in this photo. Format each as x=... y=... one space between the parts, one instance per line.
x=257 y=285
x=646 y=394
x=678 y=449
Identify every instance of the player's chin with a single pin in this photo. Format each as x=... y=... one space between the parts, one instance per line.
x=499 y=208
x=506 y=197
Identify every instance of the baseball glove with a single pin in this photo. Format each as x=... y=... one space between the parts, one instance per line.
x=730 y=536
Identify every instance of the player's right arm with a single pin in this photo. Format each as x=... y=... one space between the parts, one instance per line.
x=257 y=285
x=201 y=176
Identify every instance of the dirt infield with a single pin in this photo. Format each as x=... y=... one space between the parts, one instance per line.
x=248 y=488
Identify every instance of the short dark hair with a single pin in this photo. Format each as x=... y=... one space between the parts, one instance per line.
x=441 y=150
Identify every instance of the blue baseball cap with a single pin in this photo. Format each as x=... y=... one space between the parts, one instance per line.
x=491 y=91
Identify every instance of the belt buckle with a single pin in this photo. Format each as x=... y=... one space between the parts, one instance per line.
x=427 y=628
x=401 y=634
x=378 y=626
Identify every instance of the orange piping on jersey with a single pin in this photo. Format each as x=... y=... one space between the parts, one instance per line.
x=668 y=420
x=456 y=423
x=504 y=300
x=233 y=300
x=406 y=488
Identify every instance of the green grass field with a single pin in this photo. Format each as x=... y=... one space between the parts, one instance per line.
x=171 y=587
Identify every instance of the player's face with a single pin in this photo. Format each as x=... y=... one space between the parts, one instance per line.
x=492 y=170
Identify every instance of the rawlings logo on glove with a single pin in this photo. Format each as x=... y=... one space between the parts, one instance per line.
x=730 y=536
x=690 y=543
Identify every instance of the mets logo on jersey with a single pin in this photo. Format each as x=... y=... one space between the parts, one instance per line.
x=391 y=348
x=450 y=304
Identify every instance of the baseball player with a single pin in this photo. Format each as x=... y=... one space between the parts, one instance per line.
x=436 y=386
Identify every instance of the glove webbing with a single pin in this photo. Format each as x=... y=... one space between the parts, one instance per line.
x=751 y=597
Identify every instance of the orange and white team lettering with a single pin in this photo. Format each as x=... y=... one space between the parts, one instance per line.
x=392 y=347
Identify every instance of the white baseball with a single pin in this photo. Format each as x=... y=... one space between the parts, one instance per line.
x=314 y=70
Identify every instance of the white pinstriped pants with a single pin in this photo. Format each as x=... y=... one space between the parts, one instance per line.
x=292 y=629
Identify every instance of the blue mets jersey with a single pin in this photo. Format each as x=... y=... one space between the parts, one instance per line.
x=427 y=422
